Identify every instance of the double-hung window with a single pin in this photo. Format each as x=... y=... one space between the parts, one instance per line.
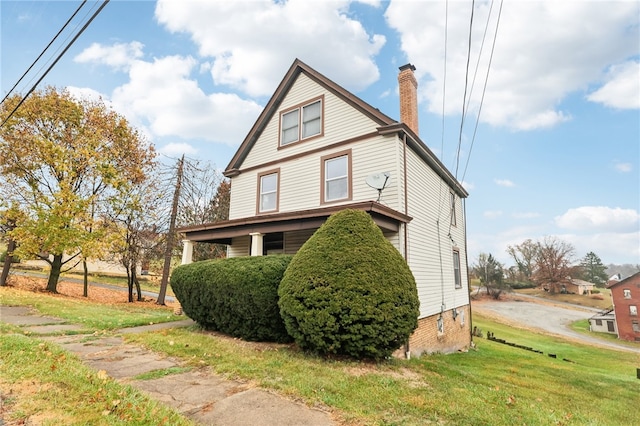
x=457 y=277
x=452 y=202
x=301 y=122
x=336 y=177
x=268 y=184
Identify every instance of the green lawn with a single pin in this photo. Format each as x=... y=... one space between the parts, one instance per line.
x=494 y=384
x=94 y=316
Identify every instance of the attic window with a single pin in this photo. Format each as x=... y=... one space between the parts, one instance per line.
x=627 y=293
x=301 y=122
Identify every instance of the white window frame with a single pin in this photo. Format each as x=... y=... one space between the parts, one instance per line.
x=346 y=155
x=457 y=272
x=262 y=193
x=302 y=122
x=627 y=293
x=633 y=310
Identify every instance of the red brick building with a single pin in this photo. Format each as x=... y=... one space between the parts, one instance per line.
x=626 y=301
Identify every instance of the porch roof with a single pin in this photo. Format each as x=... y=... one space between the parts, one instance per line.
x=387 y=219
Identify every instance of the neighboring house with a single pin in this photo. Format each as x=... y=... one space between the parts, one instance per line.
x=603 y=322
x=626 y=301
x=315 y=150
x=613 y=279
x=575 y=286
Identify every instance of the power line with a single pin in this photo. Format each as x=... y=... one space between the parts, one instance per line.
x=466 y=85
x=44 y=50
x=484 y=89
x=104 y=3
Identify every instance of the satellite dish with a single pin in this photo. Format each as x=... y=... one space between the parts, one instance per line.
x=379 y=181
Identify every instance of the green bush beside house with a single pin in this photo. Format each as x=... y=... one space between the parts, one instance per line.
x=348 y=291
x=237 y=296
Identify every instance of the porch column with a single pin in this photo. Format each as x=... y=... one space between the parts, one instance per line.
x=257 y=240
x=187 y=251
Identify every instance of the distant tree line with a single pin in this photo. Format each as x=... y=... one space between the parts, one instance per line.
x=548 y=263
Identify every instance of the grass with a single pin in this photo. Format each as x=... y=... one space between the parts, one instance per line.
x=42 y=384
x=93 y=316
x=592 y=301
x=493 y=385
x=147 y=283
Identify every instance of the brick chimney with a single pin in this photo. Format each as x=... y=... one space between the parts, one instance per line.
x=408 y=97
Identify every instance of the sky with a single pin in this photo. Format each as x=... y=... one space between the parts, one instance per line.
x=533 y=105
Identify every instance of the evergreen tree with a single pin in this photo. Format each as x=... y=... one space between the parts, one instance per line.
x=593 y=270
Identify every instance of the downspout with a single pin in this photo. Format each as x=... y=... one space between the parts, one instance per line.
x=407 y=349
x=466 y=261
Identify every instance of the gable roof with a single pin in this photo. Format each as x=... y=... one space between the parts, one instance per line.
x=387 y=125
x=633 y=279
x=271 y=108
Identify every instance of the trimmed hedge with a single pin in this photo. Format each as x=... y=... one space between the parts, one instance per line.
x=237 y=296
x=348 y=291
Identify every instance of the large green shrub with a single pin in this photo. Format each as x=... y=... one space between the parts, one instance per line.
x=348 y=291
x=237 y=296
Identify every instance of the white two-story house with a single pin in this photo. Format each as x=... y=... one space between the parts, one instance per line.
x=317 y=149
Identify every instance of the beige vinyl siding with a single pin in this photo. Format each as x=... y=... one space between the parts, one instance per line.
x=239 y=246
x=295 y=239
x=341 y=121
x=244 y=193
x=300 y=182
x=376 y=155
x=430 y=251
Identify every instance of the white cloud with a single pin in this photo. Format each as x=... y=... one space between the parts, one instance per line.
x=162 y=97
x=504 y=182
x=88 y=94
x=617 y=248
x=119 y=56
x=622 y=89
x=623 y=167
x=467 y=185
x=253 y=43
x=544 y=52
x=599 y=219
x=492 y=214
x=176 y=149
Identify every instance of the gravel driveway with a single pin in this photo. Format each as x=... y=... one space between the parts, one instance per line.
x=551 y=318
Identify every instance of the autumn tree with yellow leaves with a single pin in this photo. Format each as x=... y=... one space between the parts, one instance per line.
x=64 y=161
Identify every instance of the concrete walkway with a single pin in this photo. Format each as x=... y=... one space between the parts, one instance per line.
x=198 y=394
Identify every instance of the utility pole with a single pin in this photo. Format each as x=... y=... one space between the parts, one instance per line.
x=170 y=236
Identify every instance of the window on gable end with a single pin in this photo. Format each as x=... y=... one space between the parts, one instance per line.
x=301 y=122
x=268 y=188
x=627 y=293
x=633 y=310
x=290 y=132
x=336 y=177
